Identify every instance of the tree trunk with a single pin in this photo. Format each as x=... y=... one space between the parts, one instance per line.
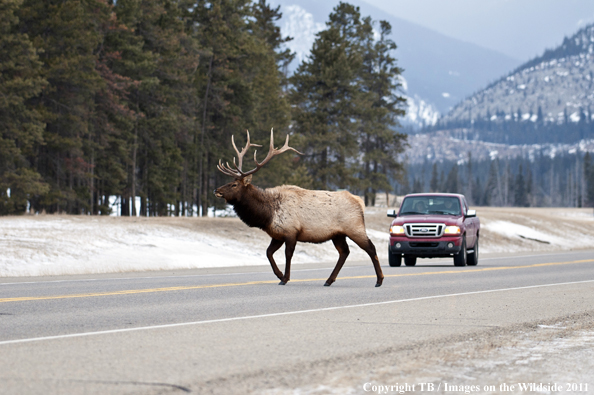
x=202 y=153
x=92 y=184
x=134 y=149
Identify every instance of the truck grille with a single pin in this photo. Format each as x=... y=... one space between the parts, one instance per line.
x=424 y=230
x=423 y=245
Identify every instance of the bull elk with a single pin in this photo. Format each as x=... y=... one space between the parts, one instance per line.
x=290 y=214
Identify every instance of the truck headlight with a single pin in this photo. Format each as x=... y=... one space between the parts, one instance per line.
x=397 y=230
x=452 y=230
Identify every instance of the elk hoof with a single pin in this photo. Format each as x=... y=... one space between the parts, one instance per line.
x=328 y=283
x=378 y=285
x=282 y=282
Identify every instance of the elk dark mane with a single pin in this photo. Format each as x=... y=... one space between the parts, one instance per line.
x=256 y=207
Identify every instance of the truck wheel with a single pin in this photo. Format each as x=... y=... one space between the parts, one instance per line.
x=410 y=260
x=461 y=257
x=394 y=259
x=473 y=257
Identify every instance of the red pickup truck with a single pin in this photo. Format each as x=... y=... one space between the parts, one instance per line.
x=432 y=225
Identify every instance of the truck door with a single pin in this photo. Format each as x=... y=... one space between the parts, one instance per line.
x=470 y=224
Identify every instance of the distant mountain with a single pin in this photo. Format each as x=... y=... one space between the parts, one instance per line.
x=455 y=146
x=439 y=70
x=546 y=100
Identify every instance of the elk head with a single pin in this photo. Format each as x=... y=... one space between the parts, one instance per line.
x=233 y=191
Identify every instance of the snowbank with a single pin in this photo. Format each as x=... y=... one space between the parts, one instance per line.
x=58 y=244
x=49 y=246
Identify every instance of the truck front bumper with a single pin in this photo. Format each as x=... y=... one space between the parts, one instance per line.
x=426 y=248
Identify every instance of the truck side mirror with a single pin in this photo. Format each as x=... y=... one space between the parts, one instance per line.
x=471 y=213
x=392 y=213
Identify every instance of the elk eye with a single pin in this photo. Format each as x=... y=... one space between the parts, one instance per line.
x=234 y=185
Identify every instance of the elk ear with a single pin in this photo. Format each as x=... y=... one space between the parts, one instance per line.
x=247 y=180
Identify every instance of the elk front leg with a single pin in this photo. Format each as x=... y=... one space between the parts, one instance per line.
x=343 y=250
x=272 y=248
x=289 y=250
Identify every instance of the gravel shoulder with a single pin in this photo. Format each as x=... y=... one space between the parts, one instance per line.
x=557 y=351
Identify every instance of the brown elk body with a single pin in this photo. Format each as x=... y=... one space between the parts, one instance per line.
x=289 y=214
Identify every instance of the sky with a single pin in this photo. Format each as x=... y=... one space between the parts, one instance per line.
x=522 y=29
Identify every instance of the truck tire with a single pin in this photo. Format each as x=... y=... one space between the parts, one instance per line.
x=410 y=260
x=461 y=258
x=394 y=260
x=473 y=257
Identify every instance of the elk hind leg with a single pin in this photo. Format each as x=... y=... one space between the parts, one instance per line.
x=367 y=246
x=272 y=248
x=343 y=250
x=289 y=250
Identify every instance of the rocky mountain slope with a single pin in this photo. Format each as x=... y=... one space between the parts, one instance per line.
x=455 y=146
x=439 y=71
x=556 y=88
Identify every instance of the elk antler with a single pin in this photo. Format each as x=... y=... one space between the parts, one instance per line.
x=272 y=152
x=226 y=169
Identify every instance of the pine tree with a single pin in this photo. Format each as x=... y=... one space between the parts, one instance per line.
x=477 y=191
x=520 y=195
x=223 y=82
x=325 y=93
x=452 y=182
x=490 y=193
x=164 y=102
x=265 y=27
x=345 y=104
x=21 y=126
x=434 y=182
x=469 y=189
x=589 y=177
x=379 y=110
x=70 y=34
x=508 y=186
x=269 y=107
x=417 y=186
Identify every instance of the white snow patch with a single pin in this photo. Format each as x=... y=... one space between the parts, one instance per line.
x=575 y=117
x=420 y=112
x=507 y=228
x=300 y=24
x=376 y=234
x=63 y=246
x=48 y=245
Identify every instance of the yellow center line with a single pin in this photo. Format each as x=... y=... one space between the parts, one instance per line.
x=171 y=289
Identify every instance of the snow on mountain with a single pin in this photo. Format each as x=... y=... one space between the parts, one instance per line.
x=419 y=113
x=299 y=24
x=557 y=87
x=440 y=70
x=456 y=144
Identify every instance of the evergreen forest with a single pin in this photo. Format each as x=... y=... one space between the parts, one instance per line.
x=131 y=104
x=126 y=107
x=565 y=180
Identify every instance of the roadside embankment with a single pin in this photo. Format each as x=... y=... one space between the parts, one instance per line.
x=60 y=244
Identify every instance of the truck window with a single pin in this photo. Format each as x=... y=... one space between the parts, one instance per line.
x=421 y=205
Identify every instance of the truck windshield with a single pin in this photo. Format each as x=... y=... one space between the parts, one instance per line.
x=420 y=205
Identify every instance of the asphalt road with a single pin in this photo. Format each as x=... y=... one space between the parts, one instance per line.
x=235 y=330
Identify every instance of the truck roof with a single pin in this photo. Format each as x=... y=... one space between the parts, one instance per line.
x=458 y=195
